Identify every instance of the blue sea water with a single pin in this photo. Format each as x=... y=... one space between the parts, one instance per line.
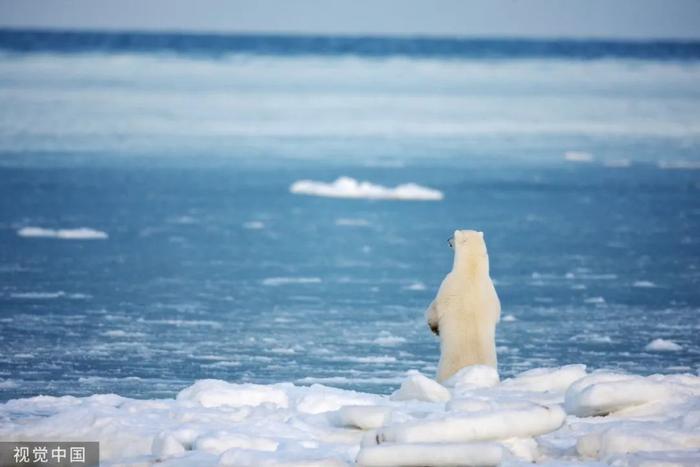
x=579 y=160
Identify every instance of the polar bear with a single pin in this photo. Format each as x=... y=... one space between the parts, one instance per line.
x=466 y=309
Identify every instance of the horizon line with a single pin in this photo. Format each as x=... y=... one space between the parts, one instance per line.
x=351 y=36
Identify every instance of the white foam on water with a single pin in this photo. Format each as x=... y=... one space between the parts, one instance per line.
x=82 y=233
x=347 y=187
x=416 y=286
x=38 y=295
x=387 y=339
x=183 y=322
x=183 y=220
x=592 y=338
x=115 y=333
x=277 y=281
x=8 y=384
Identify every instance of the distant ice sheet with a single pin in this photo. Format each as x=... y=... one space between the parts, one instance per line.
x=82 y=233
x=552 y=416
x=679 y=165
x=347 y=187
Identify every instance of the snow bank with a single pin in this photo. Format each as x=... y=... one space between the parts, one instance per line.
x=555 y=416
x=434 y=454
x=215 y=393
x=346 y=187
x=82 y=233
x=548 y=379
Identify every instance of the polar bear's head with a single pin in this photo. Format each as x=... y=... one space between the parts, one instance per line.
x=470 y=251
x=468 y=239
x=469 y=243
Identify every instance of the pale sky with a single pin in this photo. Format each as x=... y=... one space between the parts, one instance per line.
x=636 y=19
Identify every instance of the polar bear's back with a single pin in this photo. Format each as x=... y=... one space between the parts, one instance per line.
x=468 y=309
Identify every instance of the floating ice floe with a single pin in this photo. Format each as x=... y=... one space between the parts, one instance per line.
x=578 y=156
x=254 y=225
x=48 y=295
x=82 y=233
x=351 y=222
x=554 y=416
x=662 y=345
x=346 y=187
x=276 y=281
x=617 y=163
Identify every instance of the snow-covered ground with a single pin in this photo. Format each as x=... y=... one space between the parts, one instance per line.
x=554 y=416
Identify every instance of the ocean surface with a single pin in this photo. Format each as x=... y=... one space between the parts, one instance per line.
x=580 y=160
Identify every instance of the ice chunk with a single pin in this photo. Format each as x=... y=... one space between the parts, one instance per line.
x=215 y=393
x=628 y=437
x=318 y=399
x=221 y=441
x=346 y=187
x=662 y=345
x=602 y=393
x=657 y=459
x=363 y=417
x=252 y=458
x=418 y=387
x=474 y=376
x=166 y=445
x=433 y=454
x=481 y=404
x=477 y=426
x=547 y=379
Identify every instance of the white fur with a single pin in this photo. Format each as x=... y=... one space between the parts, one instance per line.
x=466 y=309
